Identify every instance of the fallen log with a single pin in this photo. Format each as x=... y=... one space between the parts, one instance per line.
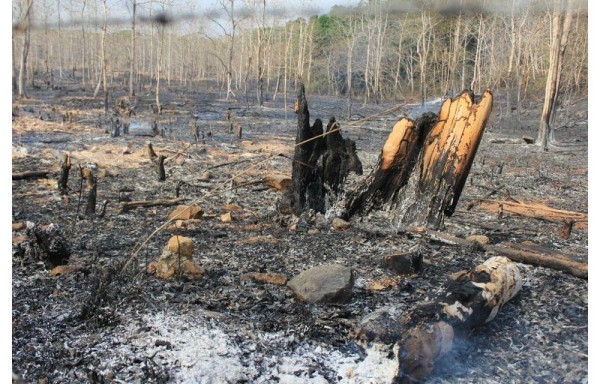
x=554 y=260
x=30 y=175
x=538 y=211
x=424 y=164
x=472 y=298
x=129 y=205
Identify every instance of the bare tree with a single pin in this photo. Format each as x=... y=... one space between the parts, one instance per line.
x=25 y=50
x=561 y=25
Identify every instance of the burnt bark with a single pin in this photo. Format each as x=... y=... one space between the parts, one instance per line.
x=65 y=168
x=91 y=186
x=158 y=161
x=30 y=175
x=424 y=164
x=322 y=162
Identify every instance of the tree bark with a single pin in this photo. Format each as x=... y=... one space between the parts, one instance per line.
x=424 y=164
x=65 y=168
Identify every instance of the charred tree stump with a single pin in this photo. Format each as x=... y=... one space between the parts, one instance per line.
x=321 y=162
x=65 y=168
x=424 y=164
x=472 y=298
x=158 y=161
x=48 y=244
x=306 y=154
x=91 y=186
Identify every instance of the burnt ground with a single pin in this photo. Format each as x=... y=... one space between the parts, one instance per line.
x=99 y=325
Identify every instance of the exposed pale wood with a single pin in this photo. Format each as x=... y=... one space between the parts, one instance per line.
x=129 y=205
x=471 y=299
x=276 y=181
x=538 y=211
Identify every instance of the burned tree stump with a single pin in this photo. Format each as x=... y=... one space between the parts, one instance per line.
x=424 y=164
x=91 y=186
x=48 y=244
x=65 y=168
x=158 y=161
x=321 y=164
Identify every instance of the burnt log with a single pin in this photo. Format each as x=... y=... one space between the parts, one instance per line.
x=321 y=163
x=65 y=168
x=30 y=175
x=424 y=164
x=472 y=298
x=129 y=205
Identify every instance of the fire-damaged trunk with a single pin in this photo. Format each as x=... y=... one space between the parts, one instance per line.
x=472 y=298
x=321 y=164
x=424 y=164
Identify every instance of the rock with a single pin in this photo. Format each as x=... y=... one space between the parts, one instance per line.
x=180 y=245
x=404 y=263
x=330 y=283
x=383 y=325
x=16 y=239
x=186 y=212
x=269 y=278
x=340 y=224
x=205 y=176
x=278 y=182
x=313 y=231
x=481 y=239
x=64 y=269
x=226 y=217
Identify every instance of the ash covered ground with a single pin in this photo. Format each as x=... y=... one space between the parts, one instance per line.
x=99 y=324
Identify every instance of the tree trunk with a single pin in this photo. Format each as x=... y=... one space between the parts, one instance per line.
x=424 y=165
x=65 y=168
x=321 y=164
x=25 y=51
x=132 y=58
x=561 y=24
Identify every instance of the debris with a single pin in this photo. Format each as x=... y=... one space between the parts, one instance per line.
x=226 y=217
x=129 y=205
x=481 y=239
x=277 y=181
x=403 y=263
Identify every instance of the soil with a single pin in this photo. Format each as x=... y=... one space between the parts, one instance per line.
x=102 y=323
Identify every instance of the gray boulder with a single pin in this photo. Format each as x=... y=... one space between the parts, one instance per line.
x=325 y=284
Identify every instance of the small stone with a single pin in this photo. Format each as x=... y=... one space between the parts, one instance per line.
x=18 y=226
x=313 y=231
x=226 y=217
x=481 y=239
x=181 y=245
x=330 y=283
x=186 y=212
x=269 y=278
x=340 y=224
x=205 y=176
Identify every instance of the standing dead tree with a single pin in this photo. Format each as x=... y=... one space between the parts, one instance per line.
x=65 y=168
x=321 y=162
x=158 y=161
x=424 y=164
